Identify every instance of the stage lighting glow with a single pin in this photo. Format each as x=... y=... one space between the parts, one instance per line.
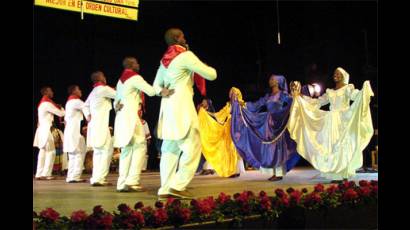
x=317 y=88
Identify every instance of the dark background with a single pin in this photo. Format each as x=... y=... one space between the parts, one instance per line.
x=237 y=38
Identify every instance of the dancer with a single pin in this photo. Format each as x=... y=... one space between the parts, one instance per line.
x=74 y=143
x=217 y=146
x=43 y=138
x=178 y=121
x=129 y=133
x=97 y=111
x=333 y=141
x=261 y=137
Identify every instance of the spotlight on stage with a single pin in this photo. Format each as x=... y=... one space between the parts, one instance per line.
x=317 y=89
x=313 y=90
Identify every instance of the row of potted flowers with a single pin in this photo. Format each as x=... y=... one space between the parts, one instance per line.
x=175 y=212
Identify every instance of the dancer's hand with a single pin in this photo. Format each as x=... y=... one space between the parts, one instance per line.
x=118 y=106
x=88 y=118
x=165 y=92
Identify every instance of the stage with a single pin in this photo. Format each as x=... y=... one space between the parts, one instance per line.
x=65 y=198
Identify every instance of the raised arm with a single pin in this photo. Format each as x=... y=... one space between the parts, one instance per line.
x=193 y=63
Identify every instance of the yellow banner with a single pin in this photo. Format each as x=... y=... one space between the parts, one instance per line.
x=91 y=8
x=132 y=3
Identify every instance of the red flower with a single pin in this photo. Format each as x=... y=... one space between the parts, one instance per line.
x=332 y=189
x=352 y=184
x=49 y=214
x=123 y=208
x=350 y=194
x=78 y=216
x=285 y=201
x=98 y=209
x=161 y=217
x=290 y=190
x=243 y=197
x=194 y=202
x=170 y=200
x=312 y=199
x=222 y=198
x=147 y=209
x=262 y=193
x=106 y=221
x=319 y=188
x=374 y=182
x=186 y=214
x=279 y=192
x=295 y=197
x=364 y=183
x=205 y=206
x=364 y=191
x=138 y=205
x=250 y=194
x=375 y=189
x=137 y=218
x=159 y=204
x=265 y=203
x=316 y=197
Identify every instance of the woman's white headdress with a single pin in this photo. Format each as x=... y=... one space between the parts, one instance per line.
x=345 y=75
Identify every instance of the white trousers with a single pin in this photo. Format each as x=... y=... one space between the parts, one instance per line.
x=187 y=163
x=101 y=161
x=76 y=163
x=131 y=163
x=45 y=160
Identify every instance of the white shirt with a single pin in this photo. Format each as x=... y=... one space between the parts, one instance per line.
x=177 y=113
x=46 y=112
x=98 y=105
x=72 y=130
x=127 y=123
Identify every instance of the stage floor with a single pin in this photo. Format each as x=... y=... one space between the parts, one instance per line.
x=65 y=198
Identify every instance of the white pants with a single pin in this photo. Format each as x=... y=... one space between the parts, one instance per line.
x=46 y=158
x=64 y=161
x=187 y=164
x=101 y=162
x=131 y=163
x=76 y=163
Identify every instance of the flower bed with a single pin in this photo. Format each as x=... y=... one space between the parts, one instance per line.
x=321 y=208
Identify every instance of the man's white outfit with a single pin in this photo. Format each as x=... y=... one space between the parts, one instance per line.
x=98 y=104
x=178 y=121
x=129 y=134
x=74 y=142
x=43 y=138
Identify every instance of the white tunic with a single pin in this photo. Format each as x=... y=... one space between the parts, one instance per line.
x=127 y=122
x=72 y=130
x=177 y=112
x=46 y=112
x=333 y=141
x=98 y=104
